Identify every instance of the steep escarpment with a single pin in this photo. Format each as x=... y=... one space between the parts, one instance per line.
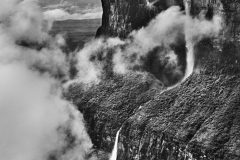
x=198 y=119
x=120 y=17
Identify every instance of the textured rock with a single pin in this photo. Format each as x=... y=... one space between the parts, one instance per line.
x=120 y=17
x=198 y=119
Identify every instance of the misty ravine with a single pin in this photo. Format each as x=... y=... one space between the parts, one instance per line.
x=189 y=63
x=36 y=121
x=198 y=117
x=144 y=88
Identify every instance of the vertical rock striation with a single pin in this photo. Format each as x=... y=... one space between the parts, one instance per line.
x=199 y=119
x=120 y=17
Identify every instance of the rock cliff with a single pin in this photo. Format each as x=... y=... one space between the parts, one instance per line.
x=199 y=119
x=120 y=17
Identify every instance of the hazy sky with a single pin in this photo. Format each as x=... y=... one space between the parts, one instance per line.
x=80 y=3
x=72 y=9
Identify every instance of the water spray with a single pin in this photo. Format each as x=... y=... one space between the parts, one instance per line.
x=150 y=4
x=189 y=45
x=115 y=149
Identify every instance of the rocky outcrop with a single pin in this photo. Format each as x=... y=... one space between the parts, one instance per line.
x=198 y=119
x=120 y=17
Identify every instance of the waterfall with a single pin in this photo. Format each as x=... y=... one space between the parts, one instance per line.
x=190 y=60
x=187 y=4
x=150 y=4
x=189 y=70
x=189 y=45
x=115 y=149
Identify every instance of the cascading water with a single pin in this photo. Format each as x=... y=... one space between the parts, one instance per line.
x=190 y=58
x=187 y=4
x=211 y=28
x=190 y=61
x=150 y=4
x=115 y=149
x=188 y=72
x=189 y=46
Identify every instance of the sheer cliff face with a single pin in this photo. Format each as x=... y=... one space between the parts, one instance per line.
x=120 y=17
x=198 y=119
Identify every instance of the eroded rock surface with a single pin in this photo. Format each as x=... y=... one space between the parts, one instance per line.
x=198 y=119
x=120 y=17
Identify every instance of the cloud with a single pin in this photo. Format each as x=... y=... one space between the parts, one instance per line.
x=158 y=48
x=36 y=122
x=61 y=14
x=90 y=69
x=83 y=3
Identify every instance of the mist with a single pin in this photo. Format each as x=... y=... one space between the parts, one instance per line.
x=61 y=14
x=36 y=122
x=165 y=48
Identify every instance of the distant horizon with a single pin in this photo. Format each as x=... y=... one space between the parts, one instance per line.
x=92 y=19
x=80 y=3
x=56 y=10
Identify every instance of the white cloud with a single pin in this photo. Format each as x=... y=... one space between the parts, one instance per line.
x=36 y=122
x=167 y=29
x=61 y=14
